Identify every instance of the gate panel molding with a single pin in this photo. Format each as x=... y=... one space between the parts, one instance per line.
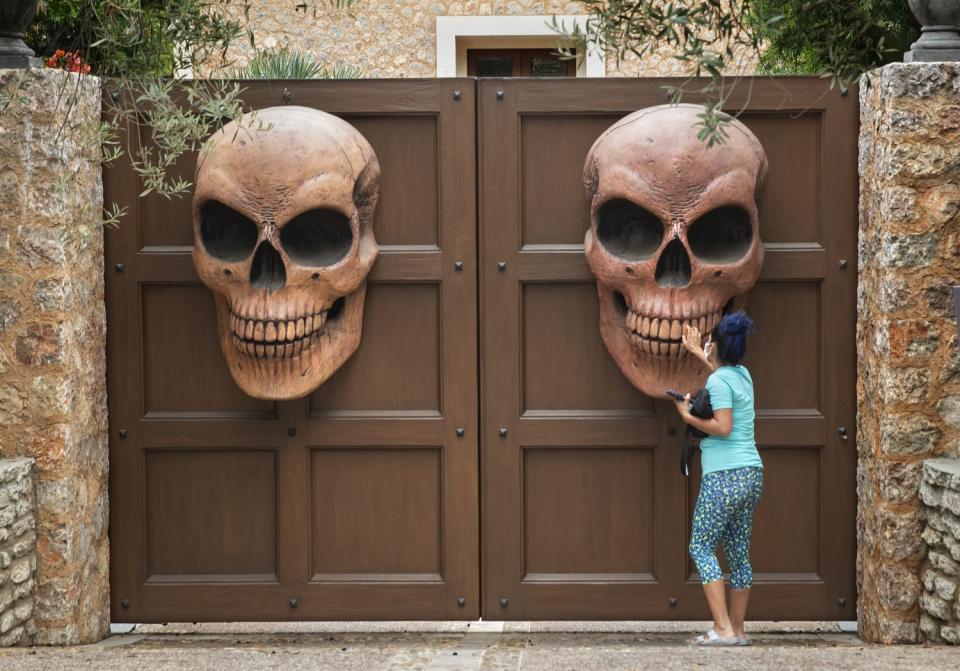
x=358 y=501
x=585 y=515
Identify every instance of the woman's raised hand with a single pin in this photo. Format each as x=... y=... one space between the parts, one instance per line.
x=691 y=342
x=691 y=339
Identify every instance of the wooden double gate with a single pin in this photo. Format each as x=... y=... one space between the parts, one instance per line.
x=480 y=454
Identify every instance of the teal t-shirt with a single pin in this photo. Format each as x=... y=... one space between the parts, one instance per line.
x=731 y=387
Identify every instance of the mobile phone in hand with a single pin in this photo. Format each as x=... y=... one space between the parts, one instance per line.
x=676 y=394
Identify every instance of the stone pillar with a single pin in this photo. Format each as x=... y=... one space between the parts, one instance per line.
x=52 y=339
x=908 y=384
x=940 y=600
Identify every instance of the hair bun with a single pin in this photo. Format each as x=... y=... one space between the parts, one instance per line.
x=737 y=323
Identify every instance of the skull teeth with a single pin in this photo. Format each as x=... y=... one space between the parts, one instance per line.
x=276 y=339
x=661 y=336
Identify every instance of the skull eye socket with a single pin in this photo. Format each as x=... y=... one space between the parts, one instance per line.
x=628 y=231
x=722 y=235
x=226 y=234
x=318 y=237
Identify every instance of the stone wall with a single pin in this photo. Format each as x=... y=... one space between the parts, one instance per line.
x=52 y=339
x=398 y=38
x=909 y=369
x=18 y=551
x=940 y=600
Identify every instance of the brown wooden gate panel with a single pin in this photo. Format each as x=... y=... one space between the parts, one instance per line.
x=359 y=502
x=584 y=512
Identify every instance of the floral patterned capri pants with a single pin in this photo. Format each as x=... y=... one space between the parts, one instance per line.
x=724 y=511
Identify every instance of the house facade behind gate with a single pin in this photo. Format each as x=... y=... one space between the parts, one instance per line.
x=422 y=38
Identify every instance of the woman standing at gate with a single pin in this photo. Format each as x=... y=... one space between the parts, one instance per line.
x=732 y=476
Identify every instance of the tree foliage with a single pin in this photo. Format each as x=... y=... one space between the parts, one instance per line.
x=132 y=39
x=846 y=38
x=713 y=39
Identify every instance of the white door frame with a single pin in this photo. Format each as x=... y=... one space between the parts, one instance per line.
x=455 y=33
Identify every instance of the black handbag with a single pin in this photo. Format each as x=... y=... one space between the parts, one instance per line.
x=699 y=407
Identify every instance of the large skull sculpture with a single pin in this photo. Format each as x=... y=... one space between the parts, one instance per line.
x=283 y=226
x=674 y=237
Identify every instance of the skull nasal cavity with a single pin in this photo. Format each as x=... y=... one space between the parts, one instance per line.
x=267 y=271
x=673 y=268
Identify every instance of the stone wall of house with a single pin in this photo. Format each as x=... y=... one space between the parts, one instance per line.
x=940 y=600
x=52 y=339
x=18 y=551
x=908 y=385
x=398 y=38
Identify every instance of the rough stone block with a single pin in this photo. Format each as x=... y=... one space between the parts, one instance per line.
x=908 y=435
x=41 y=345
x=13 y=637
x=931 y=536
x=22 y=526
x=23 y=610
x=942 y=472
x=930 y=628
x=944 y=587
x=934 y=605
x=911 y=80
x=898 y=482
x=943 y=563
x=949 y=409
x=900 y=535
x=931 y=495
x=20 y=570
x=904 y=385
x=23 y=590
x=897 y=586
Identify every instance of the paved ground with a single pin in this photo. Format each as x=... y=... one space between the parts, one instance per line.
x=485 y=645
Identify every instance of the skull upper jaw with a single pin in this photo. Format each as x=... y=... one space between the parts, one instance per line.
x=293 y=377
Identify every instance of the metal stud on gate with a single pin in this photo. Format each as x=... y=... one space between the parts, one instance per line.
x=118 y=267
x=292 y=431
x=286 y=96
x=122 y=433
x=672 y=602
x=501 y=266
x=456 y=95
x=460 y=432
x=294 y=602
x=125 y=603
x=499 y=94
x=458 y=266
x=502 y=432
x=461 y=601
x=504 y=601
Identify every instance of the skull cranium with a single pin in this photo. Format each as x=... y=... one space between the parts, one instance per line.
x=283 y=227
x=674 y=237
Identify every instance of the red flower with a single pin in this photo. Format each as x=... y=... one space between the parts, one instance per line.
x=71 y=61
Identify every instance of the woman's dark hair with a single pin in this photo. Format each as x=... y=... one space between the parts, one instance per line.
x=730 y=336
